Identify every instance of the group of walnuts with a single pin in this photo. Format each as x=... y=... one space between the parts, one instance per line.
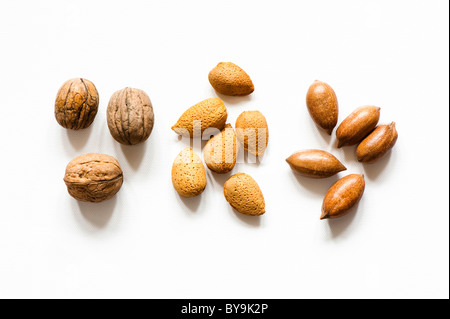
x=97 y=177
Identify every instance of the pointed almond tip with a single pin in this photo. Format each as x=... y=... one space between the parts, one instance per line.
x=324 y=216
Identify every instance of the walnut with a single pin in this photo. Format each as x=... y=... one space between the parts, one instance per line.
x=93 y=177
x=130 y=116
x=76 y=104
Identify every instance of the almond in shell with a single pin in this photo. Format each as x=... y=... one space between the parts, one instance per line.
x=342 y=196
x=220 y=151
x=210 y=113
x=252 y=131
x=229 y=79
x=244 y=195
x=315 y=163
x=377 y=144
x=357 y=125
x=188 y=174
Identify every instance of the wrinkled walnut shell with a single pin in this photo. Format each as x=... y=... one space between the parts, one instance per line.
x=130 y=116
x=93 y=177
x=76 y=104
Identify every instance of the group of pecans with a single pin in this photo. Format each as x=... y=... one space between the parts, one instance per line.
x=209 y=118
x=359 y=127
x=97 y=177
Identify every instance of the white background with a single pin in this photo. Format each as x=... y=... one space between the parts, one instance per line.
x=147 y=242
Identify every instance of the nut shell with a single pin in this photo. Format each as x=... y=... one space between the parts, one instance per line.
x=322 y=105
x=342 y=196
x=76 y=104
x=252 y=131
x=244 y=195
x=221 y=150
x=130 y=116
x=377 y=144
x=229 y=79
x=315 y=163
x=357 y=125
x=93 y=177
x=188 y=174
x=209 y=113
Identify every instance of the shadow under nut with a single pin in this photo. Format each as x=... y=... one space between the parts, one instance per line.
x=315 y=164
x=377 y=144
x=93 y=177
x=76 y=104
x=130 y=116
x=322 y=105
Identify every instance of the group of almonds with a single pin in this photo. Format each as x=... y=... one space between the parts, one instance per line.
x=359 y=127
x=97 y=177
x=220 y=152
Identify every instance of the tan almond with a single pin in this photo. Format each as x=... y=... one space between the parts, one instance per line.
x=210 y=113
x=315 y=163
x=322 y=105
x=244 y=195
x=357 y=125
x=342 y=196
x=229 y=79
x=377 y=144
x=220 y=152
x=188 y=174
x=252 y=131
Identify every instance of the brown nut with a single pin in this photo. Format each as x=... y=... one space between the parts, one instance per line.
x=244 y=195
x=93 y=177
x=315 y=163
x=342 y=196
x=188 y=174
x=252 y=131
x=322 y=105
x=377 y=144
x=130 y=116
x=221 y=150
x=209 y=113
x=357 y=125
x=229 y=79
x=76 y=104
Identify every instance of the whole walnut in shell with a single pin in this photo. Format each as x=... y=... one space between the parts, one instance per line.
x=76 y=104
x=93 y=177
x=130 y=116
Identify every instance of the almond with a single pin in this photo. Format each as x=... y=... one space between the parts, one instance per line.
x=322 y=105
x=220 y=152
x=229 y=79
x=376 y=145
x=188 y=174
x=252 y=132
x=315 y=163
x=244 y=195
x=357 y=125
x=210 y=113
x=342 y=196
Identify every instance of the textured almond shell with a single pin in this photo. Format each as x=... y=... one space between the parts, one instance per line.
x=355 y=127
x=188 y=174
x=342 y=196
x=211 y=113
x=93 y=177
x=244 y=195
x=252 y=131
x=229 y=79
x=322 y=105
x=221 y=150
x=76 y=104
x=130 y=116
x=377 y=144
x=315 y=163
